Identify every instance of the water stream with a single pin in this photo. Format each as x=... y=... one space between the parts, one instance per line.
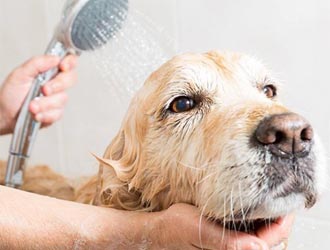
x=133 y=52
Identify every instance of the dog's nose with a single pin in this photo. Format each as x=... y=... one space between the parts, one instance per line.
x=286 y=134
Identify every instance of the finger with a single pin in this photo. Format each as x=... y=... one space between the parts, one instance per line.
x=60 y=83
x=277 y=232
x=44 y=104
x=220 y=238
x=37 y=65
x=49 y=117
x=68 y=63
x=281 y=246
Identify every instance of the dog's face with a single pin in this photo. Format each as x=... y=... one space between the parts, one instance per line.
x=208 y=129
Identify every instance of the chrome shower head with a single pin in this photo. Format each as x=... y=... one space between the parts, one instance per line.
x=85 y=25
x=89 y=24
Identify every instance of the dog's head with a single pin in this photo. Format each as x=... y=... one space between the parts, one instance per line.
x=208 y=129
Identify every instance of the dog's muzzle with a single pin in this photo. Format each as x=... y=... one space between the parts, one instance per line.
x=288 y=139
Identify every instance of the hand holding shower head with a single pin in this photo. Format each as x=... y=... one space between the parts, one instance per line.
x=85 y=25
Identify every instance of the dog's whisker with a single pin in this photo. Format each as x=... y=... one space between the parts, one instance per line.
x=224 y=217
x=206 y=177
x=201 y=219
x=241 y=205
x=203 y=167
x=232 y=213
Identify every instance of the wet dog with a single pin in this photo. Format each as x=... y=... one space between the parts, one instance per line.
x=209 y=130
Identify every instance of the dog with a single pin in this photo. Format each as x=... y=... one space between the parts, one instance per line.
x=208 y=130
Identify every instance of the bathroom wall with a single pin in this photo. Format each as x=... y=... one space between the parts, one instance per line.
x=292 y=37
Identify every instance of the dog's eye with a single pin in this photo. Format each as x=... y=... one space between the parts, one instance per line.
x=182 y=104
x=269 y=90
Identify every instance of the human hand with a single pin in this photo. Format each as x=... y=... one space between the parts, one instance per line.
x=182 y=227
x=46 y=109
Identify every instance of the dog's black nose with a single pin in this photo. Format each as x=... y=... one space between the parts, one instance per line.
x=286 y=134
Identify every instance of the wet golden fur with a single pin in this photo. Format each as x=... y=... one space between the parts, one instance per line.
x=158 y=158
x=42 y=180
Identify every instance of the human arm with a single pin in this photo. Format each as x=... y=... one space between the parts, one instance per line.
x=30 y=221
x=46 y=109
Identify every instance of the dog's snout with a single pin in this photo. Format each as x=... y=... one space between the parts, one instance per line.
x=286 y=134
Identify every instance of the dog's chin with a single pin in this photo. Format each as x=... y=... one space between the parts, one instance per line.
x=266 y=213
x=277 y=207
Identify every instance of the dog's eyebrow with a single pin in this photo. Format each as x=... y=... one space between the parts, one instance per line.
x=189 y=89
x=266 y=80
x=186 y=88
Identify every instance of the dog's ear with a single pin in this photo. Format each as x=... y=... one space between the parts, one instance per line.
x=125 y=151
x=120 y=163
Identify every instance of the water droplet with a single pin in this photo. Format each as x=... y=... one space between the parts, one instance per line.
x=268 y=157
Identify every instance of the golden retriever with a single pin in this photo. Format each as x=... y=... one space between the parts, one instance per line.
x=208 y=130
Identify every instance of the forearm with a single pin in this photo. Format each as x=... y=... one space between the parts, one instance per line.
x=30 y=221
x=33 y=222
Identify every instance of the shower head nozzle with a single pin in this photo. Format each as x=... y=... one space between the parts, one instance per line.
x=89 y=24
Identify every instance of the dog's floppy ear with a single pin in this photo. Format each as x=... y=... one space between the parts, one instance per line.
x=120 y=163
x=124 y=152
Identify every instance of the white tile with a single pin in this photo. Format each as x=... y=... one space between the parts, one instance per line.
x=310 y=233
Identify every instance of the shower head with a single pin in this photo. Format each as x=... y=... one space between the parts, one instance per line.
x=85 y=25
x=89 y=24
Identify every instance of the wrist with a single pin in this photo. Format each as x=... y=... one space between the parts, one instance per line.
x=117 y=229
